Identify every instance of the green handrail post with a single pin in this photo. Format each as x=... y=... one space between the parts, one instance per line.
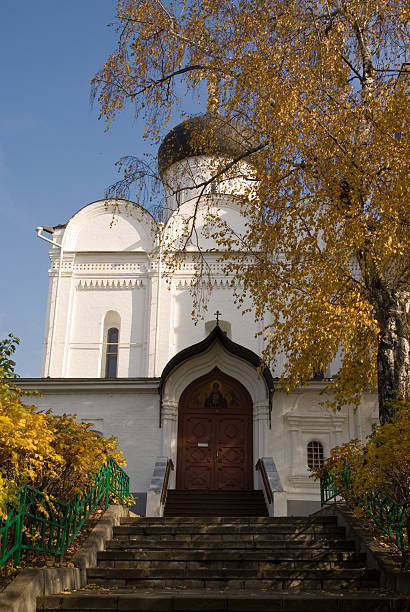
x=54 y=523
x=322 y=494
x=63 y=533
x=18 y=537
x=392 y=518
x=107 y=481
x=106 y=498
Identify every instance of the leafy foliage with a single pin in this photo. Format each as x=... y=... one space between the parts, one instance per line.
x=382 y=464
x=319 y=87
x=7 y=349
x=54 y=454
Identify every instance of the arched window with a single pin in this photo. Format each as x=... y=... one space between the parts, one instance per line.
x=111 y=358
x=110 y=333
x=315 y=454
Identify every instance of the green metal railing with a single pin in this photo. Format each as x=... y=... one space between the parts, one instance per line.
x=45 y=524
x=393 y=518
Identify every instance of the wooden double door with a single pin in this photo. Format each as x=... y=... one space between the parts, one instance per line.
x=215 y=435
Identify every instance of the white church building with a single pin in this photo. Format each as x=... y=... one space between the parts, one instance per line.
x=121 y=349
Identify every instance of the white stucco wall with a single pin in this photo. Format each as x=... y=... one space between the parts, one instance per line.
x=108 y=225
x=112 y=262
x=243 y=327
x=183 y=181
x=86 y=331
x=129 y=410
x=129 y=415
x=300 y=417
x=105 y=266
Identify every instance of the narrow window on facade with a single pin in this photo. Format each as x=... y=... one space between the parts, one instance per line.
x=314 y=454
x=110 y=333
x=111 y=359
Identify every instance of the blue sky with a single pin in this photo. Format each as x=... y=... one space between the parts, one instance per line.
x=54 y=154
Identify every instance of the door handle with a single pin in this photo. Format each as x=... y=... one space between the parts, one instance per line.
x=218 y=454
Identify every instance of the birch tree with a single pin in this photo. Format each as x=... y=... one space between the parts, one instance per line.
x=321 y=87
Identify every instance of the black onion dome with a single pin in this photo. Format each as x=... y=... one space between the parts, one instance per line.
x=209 y=134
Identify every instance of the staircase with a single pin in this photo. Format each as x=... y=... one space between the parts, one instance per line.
x=229 y=563
x=215 y=503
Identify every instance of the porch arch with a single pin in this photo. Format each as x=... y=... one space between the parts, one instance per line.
x=231 y=359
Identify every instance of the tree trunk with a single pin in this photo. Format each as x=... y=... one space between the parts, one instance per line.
x=393 y=355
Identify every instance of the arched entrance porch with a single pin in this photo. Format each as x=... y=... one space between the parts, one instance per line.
x=197 y=361
x=215 y=435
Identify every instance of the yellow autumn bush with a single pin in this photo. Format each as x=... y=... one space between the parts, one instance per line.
x=83 y=452
x=54 y=454
x=381 y=464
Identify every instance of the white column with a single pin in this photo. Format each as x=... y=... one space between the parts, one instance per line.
x=59 y=312
x=261 y=421
x=69 y=260
x=153 y=307
x=294 y=432
x=358 y=425
x=145 y=369
x=255 y=425
x=169 y=429
x=333 y=436
x=338 y=435
x=46 y=355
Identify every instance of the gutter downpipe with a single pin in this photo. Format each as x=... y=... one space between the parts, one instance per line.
x=60 y=246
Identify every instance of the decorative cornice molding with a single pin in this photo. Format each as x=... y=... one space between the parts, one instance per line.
x=182 y=276
x=110 y=267
x=302 y=481
x=191 y=267
x=110 y=283
x=66 y=266
x=99 y=385
x=169 y=411
x=310 y=419
x=223 y=283
x=261 y=411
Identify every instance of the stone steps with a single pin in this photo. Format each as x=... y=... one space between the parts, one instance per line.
x=215 y=503
x=227 y=529
x=203 y=540
x=230 y=520
x=180 y=601
x=228 y=563
x=236 y=544
x=193 y=560
x=230 y=578
x=187 y=554
x=224 y=520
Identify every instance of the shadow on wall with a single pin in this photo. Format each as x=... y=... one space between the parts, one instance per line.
x=138 y=350
x=300 y=507
x=140 y=503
